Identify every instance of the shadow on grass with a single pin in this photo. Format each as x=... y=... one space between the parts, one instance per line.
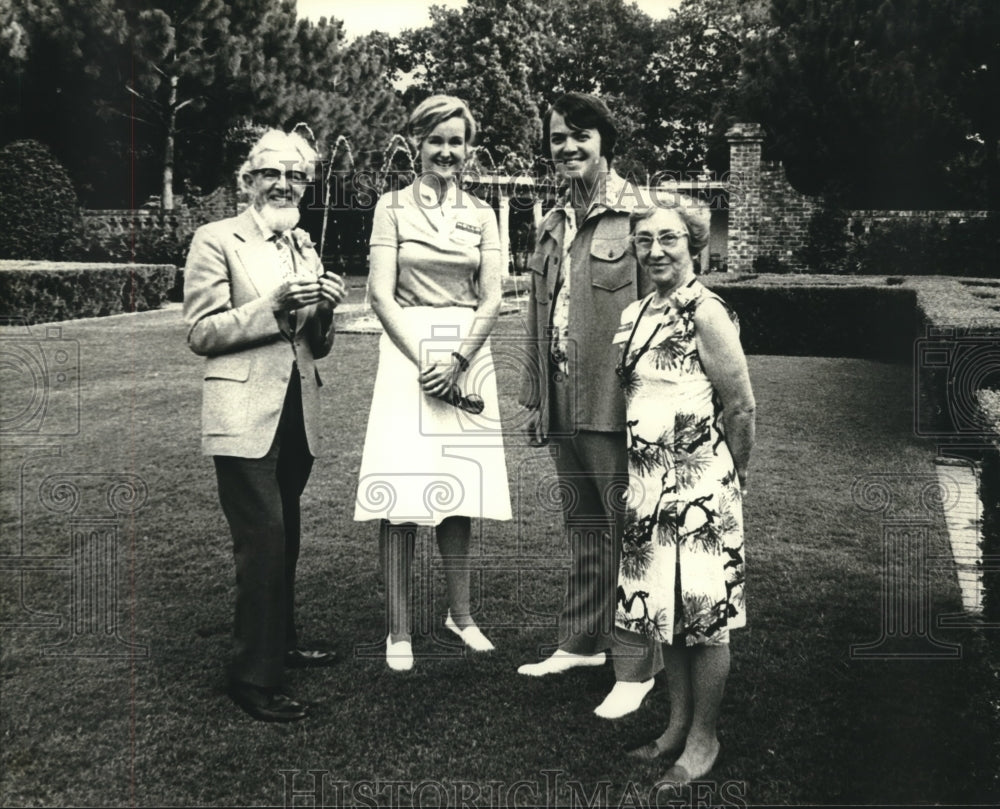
x=804 y=721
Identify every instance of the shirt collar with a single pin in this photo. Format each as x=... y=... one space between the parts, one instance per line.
x=617 y=195
x=426 y=195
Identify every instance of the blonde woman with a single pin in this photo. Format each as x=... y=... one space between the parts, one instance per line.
x=434 y=284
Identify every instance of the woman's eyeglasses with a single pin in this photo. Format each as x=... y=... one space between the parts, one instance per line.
x=667 y=239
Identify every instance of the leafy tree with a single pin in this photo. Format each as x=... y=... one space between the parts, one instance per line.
x=57 y=70
x=364 y=107
x=690 y=83
x=973 y=70
x=666 y=81
x=160 y=83
x=190 y=55
x=879 y=102
x=485 y=53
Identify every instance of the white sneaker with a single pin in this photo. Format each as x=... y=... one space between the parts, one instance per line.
x=561 y=661
x=399 y=656
x=471 y=636
x=623 y=699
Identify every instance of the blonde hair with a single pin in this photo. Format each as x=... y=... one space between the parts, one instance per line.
x=434 y=110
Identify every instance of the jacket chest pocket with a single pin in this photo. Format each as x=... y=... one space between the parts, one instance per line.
x=611 y=263
x=541 y=264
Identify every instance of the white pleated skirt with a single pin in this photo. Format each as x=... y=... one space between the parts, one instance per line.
x=424 y=459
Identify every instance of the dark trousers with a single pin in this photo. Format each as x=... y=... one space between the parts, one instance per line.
x=260 y=498
x=593 y=467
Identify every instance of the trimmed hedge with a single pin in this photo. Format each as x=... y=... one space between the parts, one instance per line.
x=826 y=321
x=42 y=292
x=947 y=328
x=927 y=321
x=38 y=205
x=989 y=495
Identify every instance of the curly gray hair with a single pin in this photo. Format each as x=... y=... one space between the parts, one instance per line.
x=695 y=215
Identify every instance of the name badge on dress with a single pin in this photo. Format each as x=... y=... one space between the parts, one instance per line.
x=466 y=235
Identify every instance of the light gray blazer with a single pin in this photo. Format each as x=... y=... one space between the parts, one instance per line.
x=250 y=351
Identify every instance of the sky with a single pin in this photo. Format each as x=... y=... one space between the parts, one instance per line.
x=392 y=16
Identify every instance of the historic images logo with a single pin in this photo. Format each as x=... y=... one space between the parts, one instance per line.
x=39 y=380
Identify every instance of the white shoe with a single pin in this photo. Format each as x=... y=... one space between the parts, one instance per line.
x=623 y=699
x=561 y=661
x=471 y=636
x=399 y=656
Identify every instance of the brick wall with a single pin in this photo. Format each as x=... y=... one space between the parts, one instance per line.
x=861 y=222
x=770 y=219
x=745 y=204
x=767 y=217
x=785 y=216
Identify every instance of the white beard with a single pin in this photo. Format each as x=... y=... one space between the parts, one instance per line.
x=279 y=219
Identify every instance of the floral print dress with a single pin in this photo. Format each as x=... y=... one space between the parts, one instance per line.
x=682 y=573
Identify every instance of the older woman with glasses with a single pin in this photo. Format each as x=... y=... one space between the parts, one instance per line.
x=690 y=429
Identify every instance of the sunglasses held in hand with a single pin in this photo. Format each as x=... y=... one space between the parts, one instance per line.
x=473 y=403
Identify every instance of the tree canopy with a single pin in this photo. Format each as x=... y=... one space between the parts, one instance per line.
x=133 y=94
x=665 y=81
x=872 y=102
x=881 y=103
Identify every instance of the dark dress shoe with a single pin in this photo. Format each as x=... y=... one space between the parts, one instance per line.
x=266 y=704
x=309 y=658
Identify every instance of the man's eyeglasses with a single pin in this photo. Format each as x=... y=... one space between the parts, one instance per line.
x=666 y=238
x=273 y=175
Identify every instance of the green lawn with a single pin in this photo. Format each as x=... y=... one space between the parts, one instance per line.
x=804 y=722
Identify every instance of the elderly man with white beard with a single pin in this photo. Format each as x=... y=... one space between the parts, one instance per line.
x=259 y=307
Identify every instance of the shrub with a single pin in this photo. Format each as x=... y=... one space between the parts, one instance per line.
x=916 y=246
x=909 y=246
x=38 y=205
x=770 y=263
x=63 y=290
x=148 y=240
x=825 y=321
x=825 y=250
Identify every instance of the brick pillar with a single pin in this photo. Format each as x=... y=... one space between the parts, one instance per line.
x=744 y=187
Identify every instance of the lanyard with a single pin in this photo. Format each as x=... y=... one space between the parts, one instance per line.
x=628 y=367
